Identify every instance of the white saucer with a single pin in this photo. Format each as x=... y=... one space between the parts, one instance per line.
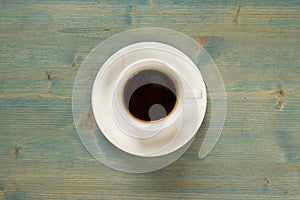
x=103 y=94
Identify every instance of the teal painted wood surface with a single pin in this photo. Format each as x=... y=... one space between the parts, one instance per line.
x=256 y=46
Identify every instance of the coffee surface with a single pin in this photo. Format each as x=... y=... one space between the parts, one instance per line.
x=150 y=95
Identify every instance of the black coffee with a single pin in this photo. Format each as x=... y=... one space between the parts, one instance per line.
x=150 y=95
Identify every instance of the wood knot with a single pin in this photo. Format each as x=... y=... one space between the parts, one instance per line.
x=280 y=93
x=49 y=76
x=16 y=152
x=74 y=62
x=237 y=18
x=267 y=181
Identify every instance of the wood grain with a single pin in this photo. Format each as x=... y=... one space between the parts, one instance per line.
x=256 y=46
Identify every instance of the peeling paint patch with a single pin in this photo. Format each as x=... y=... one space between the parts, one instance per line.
x=203 y=40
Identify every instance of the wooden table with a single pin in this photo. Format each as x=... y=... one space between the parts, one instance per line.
x=256 y=47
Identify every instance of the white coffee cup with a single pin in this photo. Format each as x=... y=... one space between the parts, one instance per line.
x=155 y=137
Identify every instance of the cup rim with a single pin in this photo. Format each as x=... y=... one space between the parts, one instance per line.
x=150 y=128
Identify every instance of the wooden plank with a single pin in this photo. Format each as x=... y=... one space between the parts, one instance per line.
x=256 y=46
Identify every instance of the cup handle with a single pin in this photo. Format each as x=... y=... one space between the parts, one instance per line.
x=194 y=94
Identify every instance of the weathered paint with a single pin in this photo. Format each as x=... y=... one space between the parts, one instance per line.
x=256 y=46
